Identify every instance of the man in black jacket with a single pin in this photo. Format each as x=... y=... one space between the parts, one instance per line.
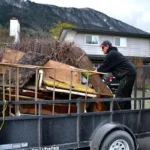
x=122 y=69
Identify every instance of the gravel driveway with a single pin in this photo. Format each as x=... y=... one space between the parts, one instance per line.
x=144 y=144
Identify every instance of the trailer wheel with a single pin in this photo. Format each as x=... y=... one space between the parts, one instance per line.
x=118 y=140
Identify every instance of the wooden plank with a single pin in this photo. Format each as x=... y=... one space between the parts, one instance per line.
x=76 y=87
x=29 y=93
x=47 y=109
x=20 y=97
x=95 y=80
x=26 y=74
x=62 y=72
x=72 y=92
x=11 y=56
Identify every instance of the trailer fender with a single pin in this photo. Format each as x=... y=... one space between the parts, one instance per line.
x=102 y=131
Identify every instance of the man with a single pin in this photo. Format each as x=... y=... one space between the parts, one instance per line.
x=122 y=69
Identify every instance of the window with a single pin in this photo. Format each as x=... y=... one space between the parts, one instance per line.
x=121 y=42
x=90 y=39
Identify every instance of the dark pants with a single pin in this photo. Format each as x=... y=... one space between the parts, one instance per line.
x=125 y=90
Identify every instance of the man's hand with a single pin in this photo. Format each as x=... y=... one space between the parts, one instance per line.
x=95 y=70
x=101 y=75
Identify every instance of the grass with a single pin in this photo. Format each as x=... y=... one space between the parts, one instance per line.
x=147 y=87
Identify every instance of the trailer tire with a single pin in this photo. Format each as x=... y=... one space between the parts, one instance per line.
x=118 y=140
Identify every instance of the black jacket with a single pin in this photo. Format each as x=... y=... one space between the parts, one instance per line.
x=117 y=64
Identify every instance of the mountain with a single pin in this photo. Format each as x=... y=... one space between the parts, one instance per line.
x=39 y=16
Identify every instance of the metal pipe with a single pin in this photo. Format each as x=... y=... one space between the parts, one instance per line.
x=53 y=107
x=36 y=89
x=111 y=109
x=3 y=86
x=139 y=101
x=143 y=90
x=70 y=92
x=39 y=125
x=17 y=91
x=78 y=123
x=87 y=83
x=135 y=92
x=9 y=88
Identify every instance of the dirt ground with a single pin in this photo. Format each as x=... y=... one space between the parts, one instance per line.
x=144 y=143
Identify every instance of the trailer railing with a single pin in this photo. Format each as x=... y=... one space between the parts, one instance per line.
x=10 y=81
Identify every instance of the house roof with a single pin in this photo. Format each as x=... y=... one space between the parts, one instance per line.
x=109 y=32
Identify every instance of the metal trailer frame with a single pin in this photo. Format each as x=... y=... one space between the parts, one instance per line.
x=73 y=131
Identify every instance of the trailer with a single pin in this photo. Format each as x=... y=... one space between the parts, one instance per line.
x=105 y=130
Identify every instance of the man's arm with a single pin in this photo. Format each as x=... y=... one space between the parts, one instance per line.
x=109 y=63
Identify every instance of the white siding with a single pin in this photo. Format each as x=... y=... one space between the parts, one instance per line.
x=70 y=36
x=89 y=49
x=135 y=46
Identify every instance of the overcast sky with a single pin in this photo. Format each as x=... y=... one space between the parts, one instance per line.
x=133 y=12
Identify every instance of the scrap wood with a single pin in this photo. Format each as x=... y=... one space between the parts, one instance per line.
x=48 y=109
x=25 y=74
x=64 y=85
x=61 y=72
x=20 y=97
x=86 y=71
x=53 y=83
x=95 y=80
x=45 y=94
x=11 y=56
x=72 y=92
x=24 y=92
x=67 y=53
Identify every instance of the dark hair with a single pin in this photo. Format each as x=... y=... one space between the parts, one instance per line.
x=106 y=42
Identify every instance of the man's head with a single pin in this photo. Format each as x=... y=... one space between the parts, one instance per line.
x=105 y=46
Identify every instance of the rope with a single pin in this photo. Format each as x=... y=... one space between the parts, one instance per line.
x=3 y=112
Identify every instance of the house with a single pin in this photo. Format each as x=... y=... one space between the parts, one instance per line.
x=129 y=44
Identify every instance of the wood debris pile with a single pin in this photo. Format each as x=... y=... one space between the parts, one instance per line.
x=55 y=78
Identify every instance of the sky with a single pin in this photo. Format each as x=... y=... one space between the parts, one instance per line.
x=132 y=12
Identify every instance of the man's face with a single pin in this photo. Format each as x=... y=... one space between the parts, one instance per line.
x=104 y=48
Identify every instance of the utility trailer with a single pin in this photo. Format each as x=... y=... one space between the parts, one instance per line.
x=105 y=130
